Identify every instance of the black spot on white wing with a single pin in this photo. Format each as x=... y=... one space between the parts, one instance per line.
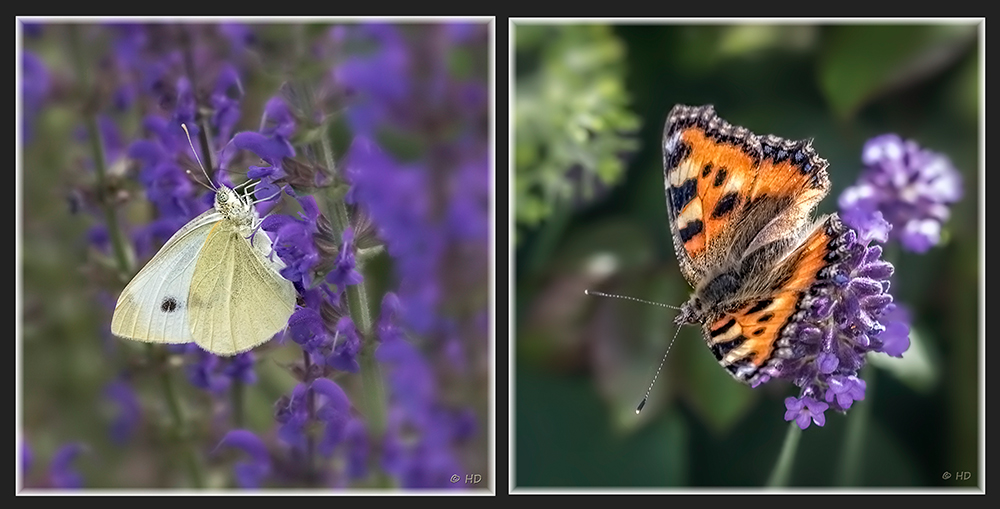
x=169 y=305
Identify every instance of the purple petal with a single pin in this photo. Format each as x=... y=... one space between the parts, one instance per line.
x=61 y=472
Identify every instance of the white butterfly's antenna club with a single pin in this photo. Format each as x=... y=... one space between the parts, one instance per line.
x=195 y=152
x=663 y=359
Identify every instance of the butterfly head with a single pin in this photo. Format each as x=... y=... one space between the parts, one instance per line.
x=232 y=207
x=692 y=311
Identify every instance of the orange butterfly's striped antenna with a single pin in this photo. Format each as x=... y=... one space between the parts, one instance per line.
x=664 y=359
x=658 y=368
x=602 y=294
x=195 y=152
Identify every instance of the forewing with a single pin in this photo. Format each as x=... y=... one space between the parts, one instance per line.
x=729 y=191
x=153 y=307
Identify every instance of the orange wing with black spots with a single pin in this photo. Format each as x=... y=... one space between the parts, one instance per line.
x=744 y=340
x=728 y=189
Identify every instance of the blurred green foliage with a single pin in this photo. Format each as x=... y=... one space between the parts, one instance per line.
x=583 y=363
x=571 y=115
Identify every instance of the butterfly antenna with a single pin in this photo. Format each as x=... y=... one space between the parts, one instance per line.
x=202 y=165
x=664 y=358
x=658 y=368
x=602 y=294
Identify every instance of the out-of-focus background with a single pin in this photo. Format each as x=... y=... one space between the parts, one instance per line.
x=590 y=105
x=99 y=411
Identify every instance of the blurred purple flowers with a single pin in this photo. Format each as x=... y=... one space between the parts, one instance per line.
x=129 y=411
x=431 y=208
x=911 y=187
x=61 y=471
x=35 y=87
x=432 y=211
x=249 y=474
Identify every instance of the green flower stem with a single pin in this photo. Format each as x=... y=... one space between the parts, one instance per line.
x=783 y=468
x=97 y=150
x=850 y=464
x=373 y=393
x=181 y=428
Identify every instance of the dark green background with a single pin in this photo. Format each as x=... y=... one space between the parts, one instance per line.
x=583 y=363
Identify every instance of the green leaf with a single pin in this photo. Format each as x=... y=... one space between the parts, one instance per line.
x=563 y=438
x=859 y=63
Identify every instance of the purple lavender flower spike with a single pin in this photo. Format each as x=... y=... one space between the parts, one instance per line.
x=249 y=474
x=278 y=120
x=344 y=273
x=356 y=437
x=805 y=410
x=240 y=36
x=35 y=87
x=912 y=187
x=61 y=472
x=269 y=149
x=27 y=459
x=226 y=109
x=845 y=390
x=335 y=410
x=348 y=344
x=205 y=373
x=292 y=414
x=184 y=112
x=240 y=367
x=307 y=329
x=896 y=336
x=124 y=425
x=293 y=241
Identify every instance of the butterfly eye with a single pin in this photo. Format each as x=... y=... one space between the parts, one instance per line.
x=223 y=197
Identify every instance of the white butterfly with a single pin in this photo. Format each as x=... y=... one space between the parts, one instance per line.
x=210 y=284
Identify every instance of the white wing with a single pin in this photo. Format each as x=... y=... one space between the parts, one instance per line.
x=238 y=298
x=153 y=307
